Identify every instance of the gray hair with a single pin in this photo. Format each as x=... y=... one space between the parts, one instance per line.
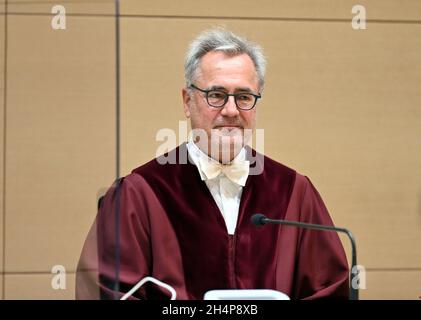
x=220 y=39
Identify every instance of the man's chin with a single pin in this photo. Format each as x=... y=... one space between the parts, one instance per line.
x=225 y=148
x=228 y=140
x=228 y=131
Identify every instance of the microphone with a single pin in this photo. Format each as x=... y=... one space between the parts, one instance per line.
x=259 y=219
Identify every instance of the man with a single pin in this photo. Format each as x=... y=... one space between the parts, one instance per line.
x=188 y=225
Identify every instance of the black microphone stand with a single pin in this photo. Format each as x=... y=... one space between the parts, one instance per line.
x=261 y=219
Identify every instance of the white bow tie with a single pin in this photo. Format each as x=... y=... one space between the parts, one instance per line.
x=237 y=171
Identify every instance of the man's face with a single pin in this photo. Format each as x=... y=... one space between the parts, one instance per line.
x=226 y=126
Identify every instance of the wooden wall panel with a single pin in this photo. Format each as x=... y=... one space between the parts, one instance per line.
x=342 y=108
x=299 y=9
x=91 y=7
x=392 y=285
x=60 y=137
x=340 y=105
x=37 y=287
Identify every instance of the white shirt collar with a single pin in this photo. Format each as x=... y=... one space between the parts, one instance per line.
x=206 y=165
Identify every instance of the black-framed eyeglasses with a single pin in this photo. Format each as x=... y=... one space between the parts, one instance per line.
x=218 y=98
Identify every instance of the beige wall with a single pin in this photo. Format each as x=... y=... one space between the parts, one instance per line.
x=60 y=142
x=340 y=105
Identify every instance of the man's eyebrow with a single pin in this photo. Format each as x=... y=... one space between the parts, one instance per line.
x=218 y=88
x=239 y=89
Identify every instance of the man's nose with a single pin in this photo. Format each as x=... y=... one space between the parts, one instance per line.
x=230 y=108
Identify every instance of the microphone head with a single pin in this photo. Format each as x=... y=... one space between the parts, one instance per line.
x=258 y=219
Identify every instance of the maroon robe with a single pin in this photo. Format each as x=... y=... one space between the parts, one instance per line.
x=169 y=227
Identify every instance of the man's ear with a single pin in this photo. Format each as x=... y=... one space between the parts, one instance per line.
x=186 y=102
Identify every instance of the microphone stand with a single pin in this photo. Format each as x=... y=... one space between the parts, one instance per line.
x=260 y=219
